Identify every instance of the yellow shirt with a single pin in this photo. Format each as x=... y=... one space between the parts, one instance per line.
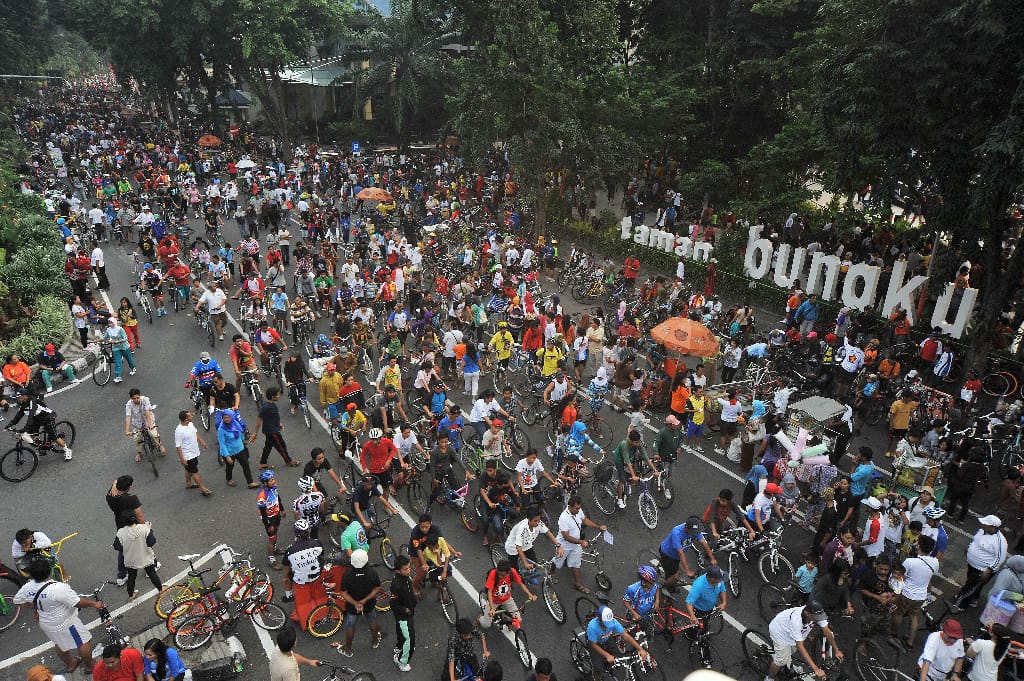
x=502 y=344
x=329 y=386
x=392 y=376
x=550 y=360
x=899 y=414
x=440 y=557
x=697 y=404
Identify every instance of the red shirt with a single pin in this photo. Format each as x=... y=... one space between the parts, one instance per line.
x=501 y=589
x=181 y=275
x=631 y=267
x=377 y=457
x=130 y=670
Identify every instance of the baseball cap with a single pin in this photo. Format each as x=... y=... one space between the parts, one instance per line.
x=952 y=629
x=330 y=366
x=606 y=613
x=715 y=572
x=991 y=521
x=497 y=422
x=692 y=527
x=359 y=558
x=927 y=488
x=671 y=420
x=871 y=502
x=772 y=488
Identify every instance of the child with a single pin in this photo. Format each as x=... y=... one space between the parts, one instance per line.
x=897 y=578
x=637 y=387
x=911 y=534
x=557 y=450
x=268 y=501
x=807 y=573
x=597 y=389
x=571 y=474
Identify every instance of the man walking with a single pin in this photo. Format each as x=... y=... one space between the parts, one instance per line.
x=186 y=442
x=120 y=500
x=269 y=419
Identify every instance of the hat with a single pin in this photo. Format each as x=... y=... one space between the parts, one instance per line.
x=772 y=488
x=607 y=616
x=50 y=348
x=990 y=521
x=715 y=572
x=671 y=420
x=952 y=629
x=872 y=502
x=351 y=406
x=927 y=488
x=359 y=558
x=39 y=672
x=330 y=366
x=204 y=355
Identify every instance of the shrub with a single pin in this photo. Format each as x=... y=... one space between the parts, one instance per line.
x=36 y=271
x=51 y=323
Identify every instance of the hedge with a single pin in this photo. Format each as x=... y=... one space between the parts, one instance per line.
x=51 y=324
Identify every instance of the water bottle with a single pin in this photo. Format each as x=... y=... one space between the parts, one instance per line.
x=237 y=653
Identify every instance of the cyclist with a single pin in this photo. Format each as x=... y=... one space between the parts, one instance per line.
x=460 y=651
x=362 y=501
x=576 y=439
x=643 y=597
x=29 y=545
x=707 y=593
x=310 y=504
x=389 y=412
x=318 y=464
x=717 y=514
x=790 y=628
x=529 y=471
x=501 y=344
x=242 y=359
x=437 y=554
x=558 y=393
x=442 y=460
x=603 y=633
x=216 y=305
x=268 y=341
x=499 y=583
x=673 y=550
x=484 y=409
x=181 y=275
x=352 y=422
x=625 y=453
x=405 y=441
x=39 y=416
x=521 y=538
x=301 y=313
x=760 y=511
x=379 y=457
x=268 y=502
x=154 y=282
x=202 y=375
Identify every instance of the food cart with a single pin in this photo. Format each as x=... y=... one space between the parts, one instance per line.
x=815 y=415
x=916 y=472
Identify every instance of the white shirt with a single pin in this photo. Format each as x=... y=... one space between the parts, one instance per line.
x=56 y=605
x=349 y=271
x=96 y=216
x=986 y=667
x=919 y=574
x=451 y=339
x=403 y=444
x=853 y=359
x=215 y=301
x=571 y=525
x=941 y=656
x=527 y=258
x=39 y=541
x=987 y=550
x=96 y=257
x=523 y=537
x=482 y=410
x=789 y=626
x=187 y=439
x=531 y=474
x=730 y=412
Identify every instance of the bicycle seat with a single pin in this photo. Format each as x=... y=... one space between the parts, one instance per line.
x=188 y=556
x=196 y=573
x=209 y=589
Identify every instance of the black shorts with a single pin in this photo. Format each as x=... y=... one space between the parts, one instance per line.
x=669 y=565
x=729 y=429
x=192 y=465
x=271 y=525
x=384 y=478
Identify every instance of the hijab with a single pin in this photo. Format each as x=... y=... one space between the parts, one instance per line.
x=601 y=379
x=756 y=473
x=235 y=427
x=578 y=432
x=759 y=410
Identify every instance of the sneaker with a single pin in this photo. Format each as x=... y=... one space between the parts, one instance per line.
x=222 y=338
x=344 y=652
x=666 y=492
x=377 y=639
x=132 y=372
x=75 y=382
x=49 y=389
x=117 y=379
x=404 y=668
x=67 y=456
x=621 y=503
x=719 y=450
x=158 y=565
x=121 y=581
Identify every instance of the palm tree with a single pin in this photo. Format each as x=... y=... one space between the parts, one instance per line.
x=406 y=57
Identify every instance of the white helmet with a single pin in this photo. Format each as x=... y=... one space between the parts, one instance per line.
x=307 y=483
x=376 y=433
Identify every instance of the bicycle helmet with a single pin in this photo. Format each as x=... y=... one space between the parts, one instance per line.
x=647 y=573
x=376 y=433
x=307 y=483
x=148 y=266
x=369 y=480
x=935 y=513
x=267 y=474
x=302 y=526
x=814 y=608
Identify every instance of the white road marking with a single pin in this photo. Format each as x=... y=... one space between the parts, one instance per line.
x=40 y=649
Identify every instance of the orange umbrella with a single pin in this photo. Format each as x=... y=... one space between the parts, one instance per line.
x=686 y=337
x=374 y=194
x=209 y=141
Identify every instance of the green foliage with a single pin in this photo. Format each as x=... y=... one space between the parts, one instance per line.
x=37 y=270
x=51 y=323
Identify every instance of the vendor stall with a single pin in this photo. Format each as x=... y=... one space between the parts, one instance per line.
x=915 y=472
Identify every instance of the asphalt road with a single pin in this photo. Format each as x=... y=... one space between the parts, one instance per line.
x=63 y=498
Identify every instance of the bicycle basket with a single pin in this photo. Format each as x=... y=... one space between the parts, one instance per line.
x=604 y=471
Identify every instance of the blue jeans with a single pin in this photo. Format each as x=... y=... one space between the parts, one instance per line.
x=119 y=356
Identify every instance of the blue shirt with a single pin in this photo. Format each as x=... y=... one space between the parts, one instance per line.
x=204 y=371
x=597 y=632
x=675 y=540
x=860 y=478
x=704 y=596
x=454 y=429
x=638 y=599
x=805 y=578
x=173 y=668
x=438 y=403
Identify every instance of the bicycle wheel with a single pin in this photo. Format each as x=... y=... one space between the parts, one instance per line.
x=1011 y=459
x=8 y=610
x=383 y=602
x=648 y=510
x=530 y=413
x=757 y=649
x=497 y=553
x=190 y=607
x=580 y=658
x=663 y=492
x=522 y=649
x=195 y=632
x=733 y=563
x=771 y=600
x=387 y=553
x=518 y=440
x=211 y=335
x=869 y=661
x=18 y=464
x=204 y=415
x=703 y=655
x=169 y=597
x=269 y=616
x=775 y=569
x=65 y=431
x=101 y=374
x=414 y=495
x=413 y=401
x=877 y=412
x=552 y=602
x=449 y=607
x=470 y=517
x=604 y=496
x=586 y=609
x=998 y=383
x=470 y=460
x=304 y=406
x=149 y=453
x=148 y=309
x=601 y=432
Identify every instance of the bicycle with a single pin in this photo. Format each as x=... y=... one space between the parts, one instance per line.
x=10 y=582
x=326 y=619
x=773 y=566
x=503 y=619
x=345 y=671
x=20 y=462
x=143 y=301
x=773 y=599
x=251 y=380
x=540 y=574
x=302 y=334
x=50 y=553
x=758 y=650
x=104 y=364
x=449 y=607
x=150 y=449
x=240 y=576
x=627 y=667
x=204 y=323
x=199 y=404
x=606 y=497
x=300 y=395
x=114 y=635
x=274 y=367
x=197 y=630
x=378 y=530
x=703 y=653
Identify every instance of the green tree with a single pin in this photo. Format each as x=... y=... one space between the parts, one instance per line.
x=406 y=61
x=23 y=36
x=928 y=95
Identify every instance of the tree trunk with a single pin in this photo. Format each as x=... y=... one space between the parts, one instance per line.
x=1000 y=283
x=270 y=89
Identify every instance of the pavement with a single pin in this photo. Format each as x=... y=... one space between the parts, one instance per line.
x=68 y=497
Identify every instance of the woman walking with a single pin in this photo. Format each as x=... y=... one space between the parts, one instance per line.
x=130 y=323
x=471 y=370
x=135 y=540
x=231 y=438
x=120 y=347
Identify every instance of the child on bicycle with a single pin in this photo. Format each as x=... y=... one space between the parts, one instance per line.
x=437 y=553
x=641 y=598
x=499 y=583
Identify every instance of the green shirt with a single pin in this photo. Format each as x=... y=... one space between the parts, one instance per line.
x=623 y=453
x=354 y=537
x=667 y=443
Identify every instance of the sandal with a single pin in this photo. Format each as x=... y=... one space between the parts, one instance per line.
x=582 y=589
x=208 y=493
x=253 y=485
x=231 y=483
x=138 y=458
x=191 y=486
x=71 y=670
x=554 y=579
